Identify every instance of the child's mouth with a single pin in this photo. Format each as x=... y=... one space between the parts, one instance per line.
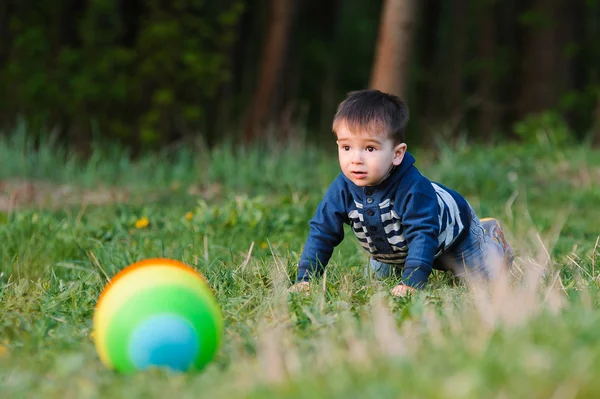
x=359 y=175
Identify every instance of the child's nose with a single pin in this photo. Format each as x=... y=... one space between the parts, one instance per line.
x=357 y=157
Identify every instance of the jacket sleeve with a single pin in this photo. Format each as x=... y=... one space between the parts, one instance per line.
x=421 y=230
x=326 y=232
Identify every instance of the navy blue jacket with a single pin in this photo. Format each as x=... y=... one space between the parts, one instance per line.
x=406 y=220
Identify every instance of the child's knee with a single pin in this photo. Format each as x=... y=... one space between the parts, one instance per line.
x=381 y=270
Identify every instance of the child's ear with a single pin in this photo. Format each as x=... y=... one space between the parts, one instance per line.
x=399 y=152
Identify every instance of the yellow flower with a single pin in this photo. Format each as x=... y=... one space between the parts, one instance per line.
x=263 y=245
x=142 y=222
x=189 y=216
x=3 y=350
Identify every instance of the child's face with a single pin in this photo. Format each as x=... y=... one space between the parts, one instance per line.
x=367 y=159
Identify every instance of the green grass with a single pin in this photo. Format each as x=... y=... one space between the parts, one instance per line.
x=533 y=337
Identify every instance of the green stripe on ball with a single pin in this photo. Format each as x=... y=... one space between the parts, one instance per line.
x=197 y=307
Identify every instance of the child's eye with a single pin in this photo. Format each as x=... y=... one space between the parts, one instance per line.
x=346 y=148
x=371 y=149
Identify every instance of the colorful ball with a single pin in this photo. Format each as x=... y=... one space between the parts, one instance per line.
x=157 y=312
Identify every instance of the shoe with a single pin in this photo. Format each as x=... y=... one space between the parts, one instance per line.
x=494 y=231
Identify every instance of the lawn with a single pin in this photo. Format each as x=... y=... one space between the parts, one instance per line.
x=240 y=217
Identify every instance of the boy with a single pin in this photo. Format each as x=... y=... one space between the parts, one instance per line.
x=406 y=222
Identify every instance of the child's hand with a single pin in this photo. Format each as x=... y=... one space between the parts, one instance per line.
x=302 y=287
x=402 y=290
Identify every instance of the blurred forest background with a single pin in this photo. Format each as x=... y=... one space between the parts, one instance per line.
x=152 y=73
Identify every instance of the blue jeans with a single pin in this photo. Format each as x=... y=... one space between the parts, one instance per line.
x=470 y=256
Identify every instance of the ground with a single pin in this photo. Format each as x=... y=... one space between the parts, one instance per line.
x=241 y=218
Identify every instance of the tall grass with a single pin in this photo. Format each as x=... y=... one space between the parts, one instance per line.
x=531 y=334
x=258 y=169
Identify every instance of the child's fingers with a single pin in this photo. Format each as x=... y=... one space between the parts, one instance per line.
x=300 y=287
x=402 y=290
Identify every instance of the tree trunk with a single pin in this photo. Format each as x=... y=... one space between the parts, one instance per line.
x=4 y=33
x=394 y=44
x=428 y=88
x=596 y=123
x=485 y=85
x=454 y=71
x=259 y=114
x=539 y=67
x=329 y=93
x=5 y=45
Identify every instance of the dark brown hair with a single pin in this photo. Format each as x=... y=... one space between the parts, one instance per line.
x=373 y=112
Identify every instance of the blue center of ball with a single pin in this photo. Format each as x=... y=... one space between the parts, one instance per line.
x=164 y=340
